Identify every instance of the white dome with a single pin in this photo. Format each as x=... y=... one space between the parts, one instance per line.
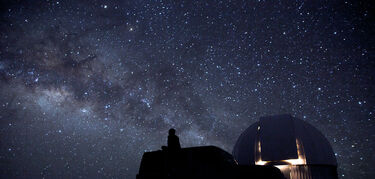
x=283 y=138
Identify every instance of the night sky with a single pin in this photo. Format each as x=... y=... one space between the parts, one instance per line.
x=87 y=86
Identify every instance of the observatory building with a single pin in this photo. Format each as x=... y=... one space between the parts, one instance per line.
x=297 y=148
x=174 y=162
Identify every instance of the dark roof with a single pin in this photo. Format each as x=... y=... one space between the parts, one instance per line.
x=199 y=162
x=193 y=161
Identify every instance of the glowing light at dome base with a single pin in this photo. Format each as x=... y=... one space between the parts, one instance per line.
x=298 y=161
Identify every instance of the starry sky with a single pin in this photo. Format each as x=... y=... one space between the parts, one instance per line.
x=87 y=86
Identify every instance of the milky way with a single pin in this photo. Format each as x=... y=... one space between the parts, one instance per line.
x=87 y=86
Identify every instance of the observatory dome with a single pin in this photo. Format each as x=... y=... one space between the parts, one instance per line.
x=285 y=141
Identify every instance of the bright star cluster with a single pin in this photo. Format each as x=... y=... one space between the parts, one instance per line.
x=87 y=86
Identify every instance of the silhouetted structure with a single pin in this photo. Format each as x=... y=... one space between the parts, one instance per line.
x=298 y=149
x=198 y=163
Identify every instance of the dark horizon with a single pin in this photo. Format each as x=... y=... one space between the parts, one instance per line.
x=86 y=87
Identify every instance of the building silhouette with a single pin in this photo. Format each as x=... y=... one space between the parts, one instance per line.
x=279 y=147
x=297 y=148
x=199 y=163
